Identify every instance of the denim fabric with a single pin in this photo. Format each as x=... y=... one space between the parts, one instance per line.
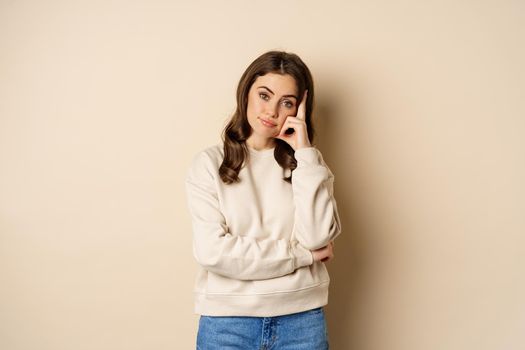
x=300 y=331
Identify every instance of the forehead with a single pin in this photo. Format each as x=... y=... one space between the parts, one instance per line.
x=280 y=84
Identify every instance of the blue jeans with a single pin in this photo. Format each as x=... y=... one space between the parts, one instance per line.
x=300 y=331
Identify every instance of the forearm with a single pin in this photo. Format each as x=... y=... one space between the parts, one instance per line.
x=246 y=258
x=238 y=256
x=317 y=219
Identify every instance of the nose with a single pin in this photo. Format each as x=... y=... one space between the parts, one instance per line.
x=272 y=111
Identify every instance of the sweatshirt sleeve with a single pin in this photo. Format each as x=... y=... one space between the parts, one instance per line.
x=317 y=220
x=234 y=256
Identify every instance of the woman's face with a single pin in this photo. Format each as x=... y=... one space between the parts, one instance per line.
x=271 y=99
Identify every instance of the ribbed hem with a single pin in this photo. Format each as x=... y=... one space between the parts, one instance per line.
x=262 y=305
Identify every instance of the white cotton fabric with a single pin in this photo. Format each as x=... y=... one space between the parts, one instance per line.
x=252 y=240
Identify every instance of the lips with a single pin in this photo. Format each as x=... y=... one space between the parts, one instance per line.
x=267 y=123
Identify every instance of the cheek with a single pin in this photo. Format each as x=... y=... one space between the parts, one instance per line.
x=253 y=107
x=285 y=112
x=249 y=110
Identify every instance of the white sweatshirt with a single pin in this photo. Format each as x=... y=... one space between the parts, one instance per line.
x=253 y=239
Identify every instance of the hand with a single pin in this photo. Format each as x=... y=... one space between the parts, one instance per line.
x=325 y=253
x=299 y=138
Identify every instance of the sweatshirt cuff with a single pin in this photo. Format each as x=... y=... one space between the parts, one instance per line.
x=307 y=156
x=302 y=256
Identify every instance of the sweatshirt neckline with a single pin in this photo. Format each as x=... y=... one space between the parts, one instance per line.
x=263 y=152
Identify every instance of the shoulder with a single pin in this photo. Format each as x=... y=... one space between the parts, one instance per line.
x=206 y=162
x=212 y=154
x=310 y=157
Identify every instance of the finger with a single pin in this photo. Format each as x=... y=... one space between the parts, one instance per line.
x=285 y=127
x=328 y=258
x=290 y=122
x=302 y=106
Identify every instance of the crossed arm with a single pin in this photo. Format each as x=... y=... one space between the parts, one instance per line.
x=248 y=258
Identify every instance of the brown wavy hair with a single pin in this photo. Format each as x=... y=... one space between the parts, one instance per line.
x=238 y=129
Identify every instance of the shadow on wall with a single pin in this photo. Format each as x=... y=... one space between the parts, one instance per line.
x=348 y=270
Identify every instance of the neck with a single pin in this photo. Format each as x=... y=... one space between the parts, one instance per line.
x=261 y=144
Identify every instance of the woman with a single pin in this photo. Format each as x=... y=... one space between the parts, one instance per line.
x=264 y=217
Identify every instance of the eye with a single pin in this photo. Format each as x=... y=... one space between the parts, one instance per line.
x=263 y=96
x=288 y=104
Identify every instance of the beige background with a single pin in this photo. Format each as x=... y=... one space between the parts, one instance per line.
x=420 y=115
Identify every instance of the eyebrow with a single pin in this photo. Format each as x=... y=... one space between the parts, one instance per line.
x=274 y=93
